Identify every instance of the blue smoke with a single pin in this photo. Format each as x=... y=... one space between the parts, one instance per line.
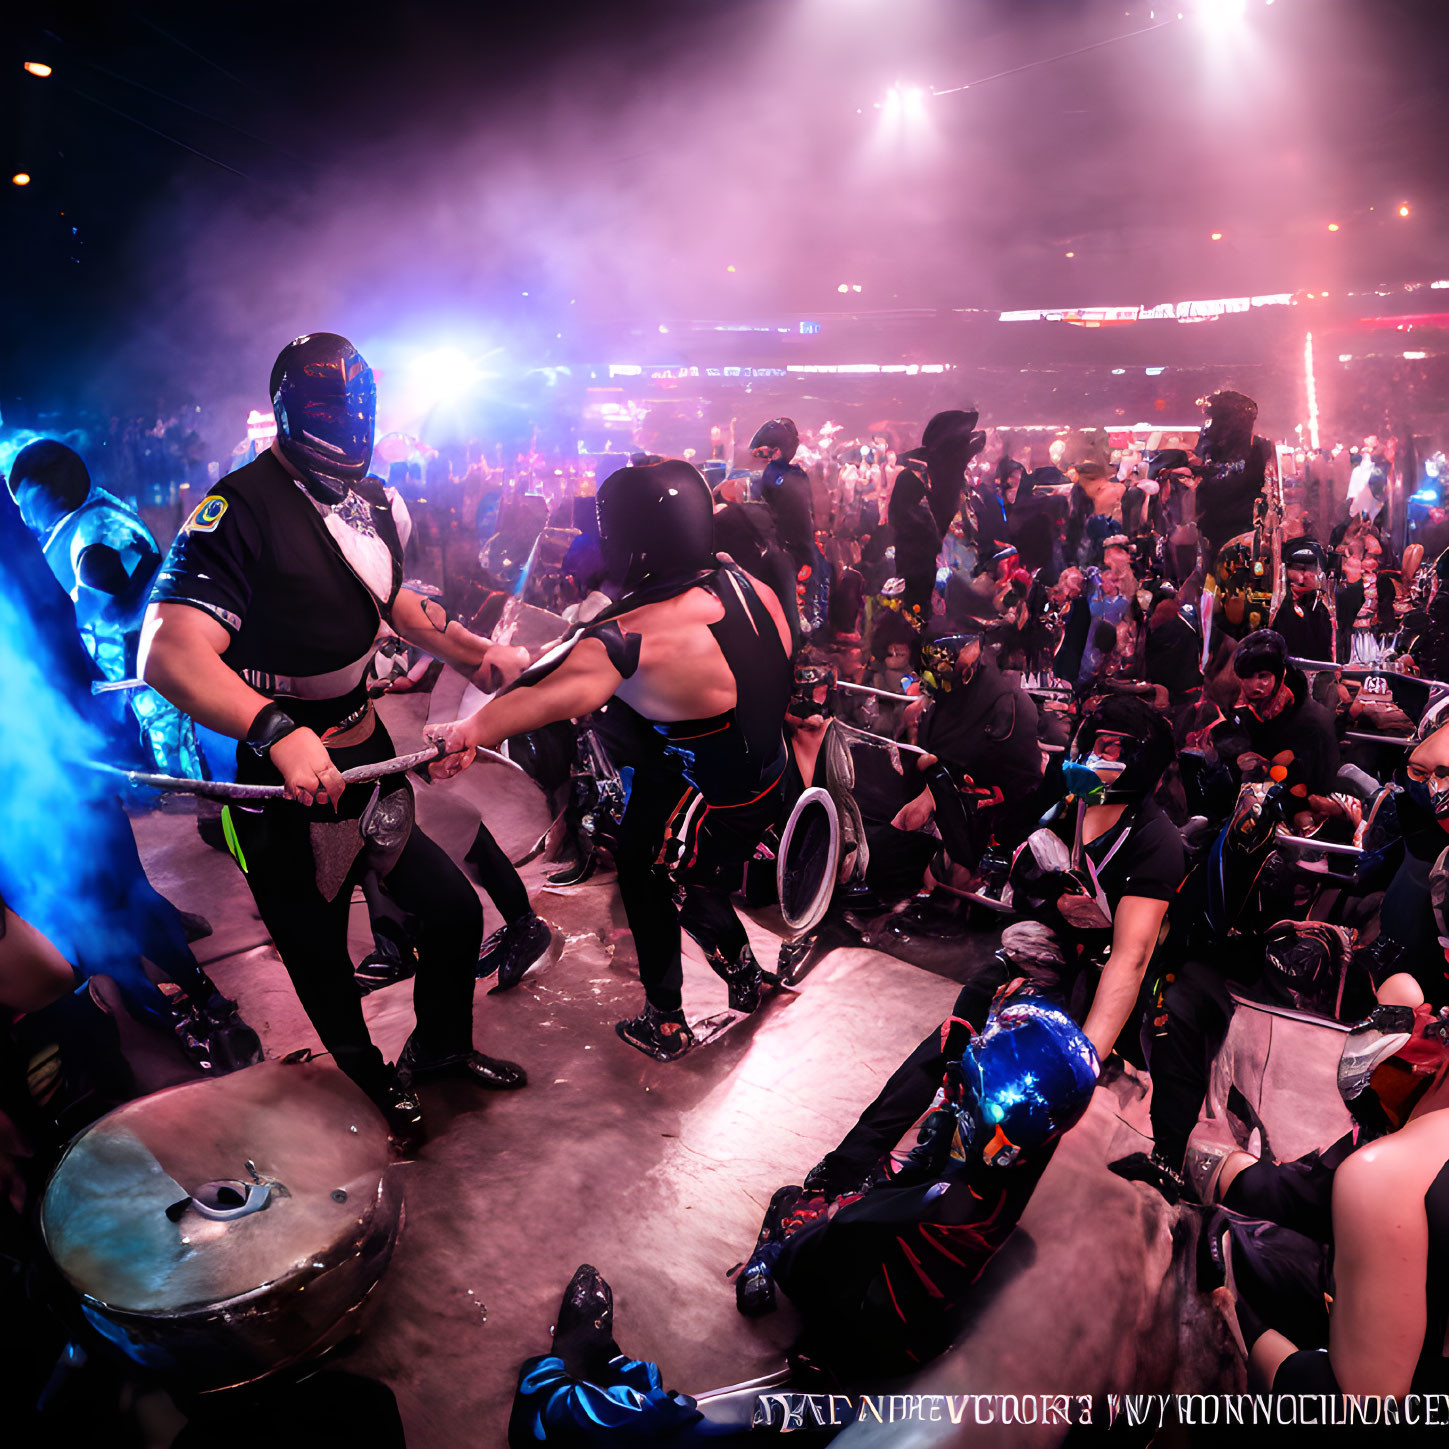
x=68 y=861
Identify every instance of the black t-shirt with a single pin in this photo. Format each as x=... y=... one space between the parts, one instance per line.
x=1141 y=855
x=256 y=556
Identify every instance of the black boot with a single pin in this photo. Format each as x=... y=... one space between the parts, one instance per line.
x=583 y=1336
x=755 y=1286
x=834 y=1179
x=488 y=1072
x=743 y=976
x=646 y=1033
x=512 y=949
x=1156 y=1171
x=403 y=1112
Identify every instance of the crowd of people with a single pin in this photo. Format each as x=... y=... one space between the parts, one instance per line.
x=1126 y=711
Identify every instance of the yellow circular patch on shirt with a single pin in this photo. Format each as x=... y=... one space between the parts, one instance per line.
x=206 y=515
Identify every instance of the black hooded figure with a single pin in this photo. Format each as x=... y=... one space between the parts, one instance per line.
x=1033 y=522
x=927 y=496
x=784 y=488
x=1237 y=468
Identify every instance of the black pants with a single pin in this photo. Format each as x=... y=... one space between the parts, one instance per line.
x=310 y=933
x=910 y=1089
x=497 y=875
x=1183 y=1036
x=715 y=844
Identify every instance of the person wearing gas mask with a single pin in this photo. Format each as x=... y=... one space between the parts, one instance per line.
x=694 y=663
x=1096 y=911
x=982 y=768
x=264 y=618
x=1335 y=1260
x=1303 y=619
x=926 y=497
x=878 y=1272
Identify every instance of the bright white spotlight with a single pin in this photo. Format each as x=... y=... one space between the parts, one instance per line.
x=443 y=374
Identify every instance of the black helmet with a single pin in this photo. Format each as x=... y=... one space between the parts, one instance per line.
x=54 y=470
x=326 y=404
x=655 y=523
x=1227 y=431
x=778 y=433
x=1143 y=749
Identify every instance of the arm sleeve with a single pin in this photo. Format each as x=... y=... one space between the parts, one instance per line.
x=212 y=560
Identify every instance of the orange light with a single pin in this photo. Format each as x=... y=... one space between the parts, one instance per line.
x=1217 y=236
x=21 y=178
x=1404 y=210
x=1333 y=226
x=37 y=67
x=1071 y=254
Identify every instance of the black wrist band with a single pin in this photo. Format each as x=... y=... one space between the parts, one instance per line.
x=271 y=724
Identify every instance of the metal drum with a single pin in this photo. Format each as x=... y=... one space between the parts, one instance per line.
x=223 y=1229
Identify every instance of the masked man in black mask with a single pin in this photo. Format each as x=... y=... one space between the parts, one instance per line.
x=693 y=662
x=1238 y=468
x=926 y=497
x=261 y=626
x=1303 y=618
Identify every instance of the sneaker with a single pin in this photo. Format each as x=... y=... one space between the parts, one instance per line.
x=647 y=1033
x=743 y=977
x=513 y=949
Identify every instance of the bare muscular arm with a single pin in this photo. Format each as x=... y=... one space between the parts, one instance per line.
x=584 y=682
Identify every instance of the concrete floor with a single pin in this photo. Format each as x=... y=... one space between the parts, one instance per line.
x=659 y=1174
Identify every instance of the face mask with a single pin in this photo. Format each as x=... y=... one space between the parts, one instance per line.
x=1432 y=801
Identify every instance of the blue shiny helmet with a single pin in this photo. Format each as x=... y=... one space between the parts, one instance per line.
x=1023 y=1081
x=325 y=401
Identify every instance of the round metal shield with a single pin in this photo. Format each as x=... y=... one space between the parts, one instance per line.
x=808 y=859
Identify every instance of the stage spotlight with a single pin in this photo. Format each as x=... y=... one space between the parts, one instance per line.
x=1333 y=226
x=1217 y=236
x=843 y=287
x=443 y=374
x=21 y=178
x=38 y=67
x=1070 y=254
x=1404 y=209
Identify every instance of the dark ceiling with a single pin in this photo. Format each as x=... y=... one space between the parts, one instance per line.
x=207 y=181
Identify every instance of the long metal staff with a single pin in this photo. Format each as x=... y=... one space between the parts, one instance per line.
x=230 y=790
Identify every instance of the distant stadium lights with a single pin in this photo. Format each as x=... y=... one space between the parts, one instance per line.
x=38 y=67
